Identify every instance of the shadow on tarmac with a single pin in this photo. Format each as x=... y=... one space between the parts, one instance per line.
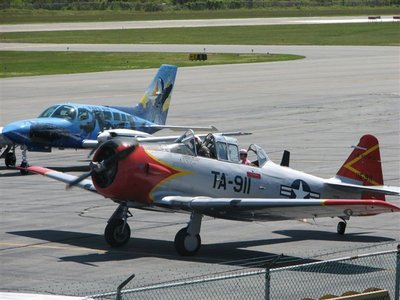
x=231 y=253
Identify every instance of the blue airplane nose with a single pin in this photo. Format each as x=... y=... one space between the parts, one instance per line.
x=17 y=132
x=47 y=132
x=36 y=131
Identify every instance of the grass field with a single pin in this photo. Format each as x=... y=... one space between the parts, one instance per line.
x=327 y=34
x=41 y=63
x=18 y=16
x=14 y=63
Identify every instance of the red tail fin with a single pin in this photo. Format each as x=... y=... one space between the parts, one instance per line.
x=364 y=166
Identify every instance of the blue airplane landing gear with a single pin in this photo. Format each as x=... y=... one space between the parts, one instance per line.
x=9 y=156
x=24 y=164
x=10 y=160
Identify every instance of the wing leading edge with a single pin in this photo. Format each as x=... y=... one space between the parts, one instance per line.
x=85 y=184
x=251 y=209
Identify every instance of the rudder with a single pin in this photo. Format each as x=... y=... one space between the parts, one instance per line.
x=364 y=166
x=155 y=102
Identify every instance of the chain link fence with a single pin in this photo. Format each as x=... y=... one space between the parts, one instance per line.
x=307 y=281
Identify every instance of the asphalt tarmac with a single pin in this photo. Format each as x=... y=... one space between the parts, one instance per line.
x=51 y=240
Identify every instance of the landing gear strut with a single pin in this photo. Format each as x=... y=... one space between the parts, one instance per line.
x=117 y=232
x=24 y=163
x=187 y=240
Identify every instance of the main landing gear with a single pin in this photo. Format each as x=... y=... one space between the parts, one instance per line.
x=187 y=241
x=11 y=160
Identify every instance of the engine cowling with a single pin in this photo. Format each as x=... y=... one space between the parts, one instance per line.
x=131 y=176
x=111 y=182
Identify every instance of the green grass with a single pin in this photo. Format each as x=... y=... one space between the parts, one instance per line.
x=14 y=63
x=18 y=16
x=375 y=33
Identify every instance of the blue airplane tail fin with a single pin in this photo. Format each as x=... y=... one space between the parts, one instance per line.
x=155 y=102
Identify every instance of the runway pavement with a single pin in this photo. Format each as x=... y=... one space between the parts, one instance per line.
x=190 y=23
x=51 y=239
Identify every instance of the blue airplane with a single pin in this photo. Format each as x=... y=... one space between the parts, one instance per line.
x=68 y=125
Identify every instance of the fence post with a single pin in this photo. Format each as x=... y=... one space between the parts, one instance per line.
x=121 y=286
x=397 y=285
x=267 y=283
x=268 y=276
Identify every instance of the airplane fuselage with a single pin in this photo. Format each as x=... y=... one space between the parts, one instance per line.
x=154 y=172
x=199 y=176
x=75 y=126
x=183 y=176
x=67 y=125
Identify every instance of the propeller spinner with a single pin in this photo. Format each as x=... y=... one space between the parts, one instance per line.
x=105 y=162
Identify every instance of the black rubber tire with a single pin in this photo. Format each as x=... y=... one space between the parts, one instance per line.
x=10 y=160
x=185 y=244
x=113 y=235
x=24 y=165
x=341 y=227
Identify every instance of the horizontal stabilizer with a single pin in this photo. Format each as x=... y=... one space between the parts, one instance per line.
x=380 y=189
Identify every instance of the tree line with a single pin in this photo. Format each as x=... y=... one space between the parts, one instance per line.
x=162 y=5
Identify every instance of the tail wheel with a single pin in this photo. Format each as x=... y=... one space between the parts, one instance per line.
x=116 y=234
x=186 y=244
x=341 y=227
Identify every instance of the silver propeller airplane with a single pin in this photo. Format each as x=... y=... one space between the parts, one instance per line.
x=206 y=177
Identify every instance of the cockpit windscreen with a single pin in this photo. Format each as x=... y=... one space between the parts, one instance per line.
x=59 y=111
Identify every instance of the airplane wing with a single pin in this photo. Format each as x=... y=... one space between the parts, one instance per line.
x=127 y=133
x=276 y=209
x=382 y=189
x=180 y=128
x=86 y=184
x=152 y=139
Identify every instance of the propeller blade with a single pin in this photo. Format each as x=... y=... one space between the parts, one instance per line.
x=93 y=151
x=79 y=179
x=99 y=167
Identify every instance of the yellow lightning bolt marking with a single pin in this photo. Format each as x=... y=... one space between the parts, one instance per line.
x=180 y=172
x=144 y=101
x=349 y=165
x=166 y=104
